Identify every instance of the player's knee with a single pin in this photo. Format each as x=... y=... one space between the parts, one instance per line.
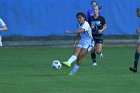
x=76 y=53
x=138 y=49
x=98 y=52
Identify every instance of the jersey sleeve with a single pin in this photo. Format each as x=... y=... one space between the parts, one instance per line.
x=103 y=21
x=85 y=26
x=2 y=23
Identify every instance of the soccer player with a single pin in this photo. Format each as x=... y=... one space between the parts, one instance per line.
x=90 y=12
x=98 y=25
x=2 y=28
x=137 y=52
x=84 y=45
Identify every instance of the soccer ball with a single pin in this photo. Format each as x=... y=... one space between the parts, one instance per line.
x=56 y=65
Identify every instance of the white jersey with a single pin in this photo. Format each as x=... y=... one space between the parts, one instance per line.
x=86 y=40
x=2 y=23
x=86 y=35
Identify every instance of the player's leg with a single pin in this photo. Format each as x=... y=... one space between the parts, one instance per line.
x=93 y=56
x=82 y=54
x=99 y=47
x=0 y=40
x=73 y=57
x=134 y=69
x=93 y=53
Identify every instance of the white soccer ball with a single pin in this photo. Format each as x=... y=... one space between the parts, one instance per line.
x=56 y=65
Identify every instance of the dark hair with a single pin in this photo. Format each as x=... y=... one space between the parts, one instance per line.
x=93 y=2
x=138 y=8
x=81 y=14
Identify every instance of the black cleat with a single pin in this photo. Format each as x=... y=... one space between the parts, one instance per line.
x=133 y=69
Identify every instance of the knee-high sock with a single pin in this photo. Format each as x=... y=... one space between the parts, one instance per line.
x=72 y=59
x=93 y=56
x=136 y=60
x=0 y=40
x=75 y=68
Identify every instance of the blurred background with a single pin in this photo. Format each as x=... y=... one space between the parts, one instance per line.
x=43 y=22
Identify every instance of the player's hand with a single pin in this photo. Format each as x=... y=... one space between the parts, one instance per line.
x=67 y=32
x=74 y=43
x=100 y=31
x=138 y=30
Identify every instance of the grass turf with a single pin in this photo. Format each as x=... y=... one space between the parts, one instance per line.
x=28 y=70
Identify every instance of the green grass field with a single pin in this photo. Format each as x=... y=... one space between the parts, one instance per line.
x=28 y=70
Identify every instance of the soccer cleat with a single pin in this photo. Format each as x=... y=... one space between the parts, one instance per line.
x=101 y=56
x=66 y=64
x=133 y=69
x=94 y=64
x=71 y=74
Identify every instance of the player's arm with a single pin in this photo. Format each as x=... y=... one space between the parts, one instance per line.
x=76 y=39
x=75 y=32
x=104 y=25
x=3 y=28
x=103 y=29
x=2 y=25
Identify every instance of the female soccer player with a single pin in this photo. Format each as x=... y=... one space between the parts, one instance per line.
x=134 y=69
x=98 y=25
x=84 y=45
x=2 y=28
x=90 y=12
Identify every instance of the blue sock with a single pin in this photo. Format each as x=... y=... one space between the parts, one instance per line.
x=75 y=68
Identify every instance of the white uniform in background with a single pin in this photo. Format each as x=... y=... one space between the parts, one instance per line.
x=2 y=24
x=86 y=40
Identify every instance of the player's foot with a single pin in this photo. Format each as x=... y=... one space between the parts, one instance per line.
x=94 y=64
x=71 y=74
x=101 y=56
x=66 y=64
x=133 y=69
